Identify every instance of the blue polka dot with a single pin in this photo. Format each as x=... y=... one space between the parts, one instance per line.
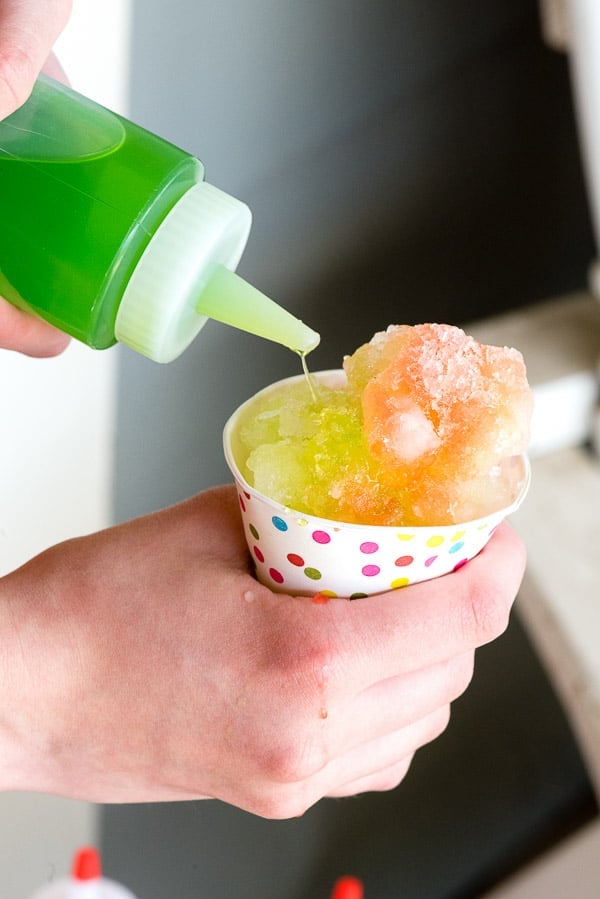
x=456 y=546
x=279 y=523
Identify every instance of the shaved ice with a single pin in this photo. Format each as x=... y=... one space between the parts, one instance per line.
x=426 y=429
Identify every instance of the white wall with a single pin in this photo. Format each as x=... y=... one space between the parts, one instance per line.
x=57 y=455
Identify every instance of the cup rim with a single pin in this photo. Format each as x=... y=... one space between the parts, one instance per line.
x=335 y=377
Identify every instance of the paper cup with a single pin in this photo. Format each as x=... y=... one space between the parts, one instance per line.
x=304 y=555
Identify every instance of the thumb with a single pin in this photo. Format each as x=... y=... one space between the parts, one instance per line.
x=28 y=334
x=27 y=33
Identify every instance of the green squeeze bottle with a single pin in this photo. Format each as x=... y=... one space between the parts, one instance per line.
x=111 y=234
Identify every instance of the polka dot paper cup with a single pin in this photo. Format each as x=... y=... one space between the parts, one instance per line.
x=304 y=555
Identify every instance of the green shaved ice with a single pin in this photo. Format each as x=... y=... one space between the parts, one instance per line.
x=299 y=446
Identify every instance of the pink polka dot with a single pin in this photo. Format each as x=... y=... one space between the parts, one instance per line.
x=369 y=547
x=460 y=564
x=242 y=503
x=321 y=537
x=402 y=561
x=258 y=554
x=371 y=570
x=430 y=561
x=295 y=559
x=276 y=575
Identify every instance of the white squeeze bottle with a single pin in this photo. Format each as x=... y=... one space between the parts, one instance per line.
x=85 y=882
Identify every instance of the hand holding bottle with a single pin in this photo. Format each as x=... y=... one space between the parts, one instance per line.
x=28 y=30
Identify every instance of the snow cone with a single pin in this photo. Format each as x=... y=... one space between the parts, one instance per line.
x=395 y=469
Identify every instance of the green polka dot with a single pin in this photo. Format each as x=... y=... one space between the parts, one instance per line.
x=313 y=573
x=254 y=532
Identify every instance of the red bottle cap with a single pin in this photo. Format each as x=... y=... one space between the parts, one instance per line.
x=348 y=888
x=86 y=864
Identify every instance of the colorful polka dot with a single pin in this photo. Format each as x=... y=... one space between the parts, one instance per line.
x=399 y=582
x=253 y=531
x=242 y=503
x=430 y=561
x=357 y=596
x=368 y=547
x=405 y=537
x=321 y=537
x=460 y=564
x=313 y=573
x=435 y=541
x=371 y=570
x=330 y=594
x=456 y=537
x=295 y=559
x=279 y=523
x=403 y=561
x=301 y=522
x=457 y=546
x=276 y=575
x=258 y=554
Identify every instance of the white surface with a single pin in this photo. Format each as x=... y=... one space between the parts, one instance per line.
x=583 y=25
x=94 y=50
x=571 y=872
x=57 y=446
x=560 y=597
x=560 y=524
x=56 y=452
x=560 y=521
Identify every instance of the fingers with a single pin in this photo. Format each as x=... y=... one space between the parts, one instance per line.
x=409 y=629
x=395 y=703
x=389 y=722
x=377 y=765
x=27 y=334
x=381 y=764
x=386 y=779
x=27 y=33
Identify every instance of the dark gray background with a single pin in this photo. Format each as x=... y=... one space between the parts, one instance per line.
x=405 y=160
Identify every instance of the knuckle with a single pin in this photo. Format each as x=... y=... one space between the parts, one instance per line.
x=280 y=804
x=486 y=612
x=292 y=761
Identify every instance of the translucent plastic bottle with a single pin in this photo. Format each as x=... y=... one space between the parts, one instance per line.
x=86 y=881
x=111 y=234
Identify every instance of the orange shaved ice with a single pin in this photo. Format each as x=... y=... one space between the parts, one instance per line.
x=426 y=431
